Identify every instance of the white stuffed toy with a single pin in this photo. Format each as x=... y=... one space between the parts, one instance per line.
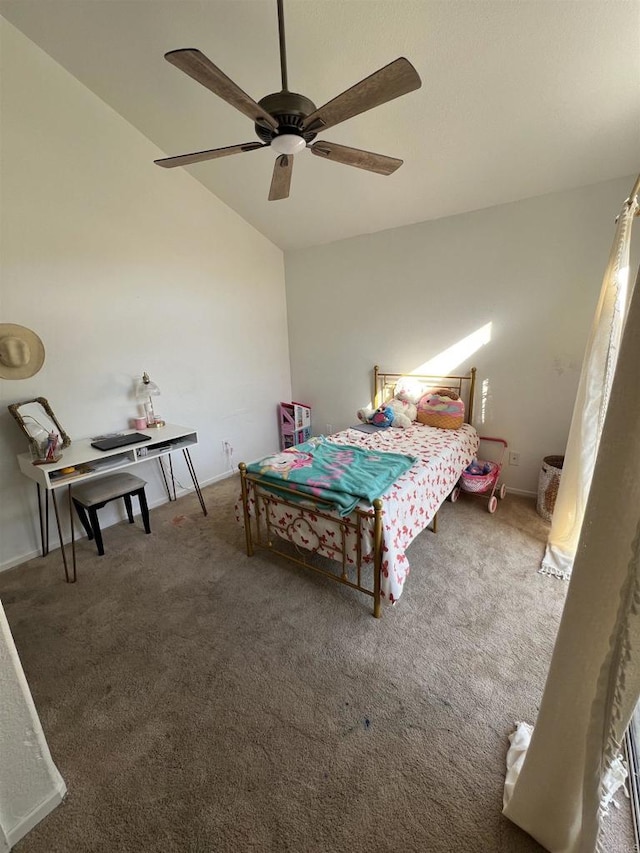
x=410 y=389
x=405 y=408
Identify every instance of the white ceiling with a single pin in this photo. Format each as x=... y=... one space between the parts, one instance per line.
x=519 y=97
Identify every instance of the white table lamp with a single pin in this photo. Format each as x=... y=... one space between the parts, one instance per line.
x=146 y=390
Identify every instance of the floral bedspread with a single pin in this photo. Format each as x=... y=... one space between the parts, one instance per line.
x=409 y=504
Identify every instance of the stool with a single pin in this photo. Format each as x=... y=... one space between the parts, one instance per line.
x=91 y=496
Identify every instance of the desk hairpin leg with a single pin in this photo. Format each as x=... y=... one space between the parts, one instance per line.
x=44 y=521
x=164 y=477
x=73 y=540
x=192 y=472
x=196 y=484
x=173 y=479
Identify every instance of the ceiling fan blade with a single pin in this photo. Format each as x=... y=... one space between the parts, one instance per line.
x=212 y=154
x=379 y=163
x=281 y=180
x=395 y=79
x=196 y=65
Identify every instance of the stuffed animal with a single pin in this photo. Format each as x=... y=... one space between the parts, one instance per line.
x=403 y=407
x=383 y=416
x=400 y=420
x=409 y=389
x=478 y=467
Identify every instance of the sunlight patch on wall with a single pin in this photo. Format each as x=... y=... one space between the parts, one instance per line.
x=446 y=362
x=484 y=398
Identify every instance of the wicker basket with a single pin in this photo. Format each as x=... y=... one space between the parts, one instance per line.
x=440 y=420
x=548 y=483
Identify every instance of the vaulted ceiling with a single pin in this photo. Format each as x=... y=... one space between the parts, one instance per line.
x=519 y=97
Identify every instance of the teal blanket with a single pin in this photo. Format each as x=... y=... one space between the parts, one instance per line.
x=341 y=474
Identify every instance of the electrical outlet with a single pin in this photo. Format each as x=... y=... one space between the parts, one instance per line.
x=514 y=458
x=329 y=429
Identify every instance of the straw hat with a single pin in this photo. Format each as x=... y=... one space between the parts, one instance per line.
x=21 y=352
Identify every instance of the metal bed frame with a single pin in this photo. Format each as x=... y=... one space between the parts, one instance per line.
x=262 y=532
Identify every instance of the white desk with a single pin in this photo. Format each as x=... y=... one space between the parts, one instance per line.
x=89 y=463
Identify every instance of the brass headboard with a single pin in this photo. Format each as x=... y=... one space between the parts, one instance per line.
x=384 y=384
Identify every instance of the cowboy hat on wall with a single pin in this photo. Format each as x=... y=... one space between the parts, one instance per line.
x=21 y=352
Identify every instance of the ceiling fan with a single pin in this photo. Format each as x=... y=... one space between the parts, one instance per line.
x=289 y=122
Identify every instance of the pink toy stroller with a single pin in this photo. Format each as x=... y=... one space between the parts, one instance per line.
x=483 y=478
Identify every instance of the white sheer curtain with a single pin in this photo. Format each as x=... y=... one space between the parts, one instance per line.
x=593 y=683
x=591 y=401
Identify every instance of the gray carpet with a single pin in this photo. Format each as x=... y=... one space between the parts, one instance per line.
x=195 y=699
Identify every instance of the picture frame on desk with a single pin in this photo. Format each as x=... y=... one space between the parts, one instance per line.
x=38 y=413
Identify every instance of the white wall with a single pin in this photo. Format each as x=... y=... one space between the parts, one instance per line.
x=121 y=267
x=30 y=784
x=398 y=298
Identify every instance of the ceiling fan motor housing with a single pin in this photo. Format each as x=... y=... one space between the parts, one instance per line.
x=289 y=109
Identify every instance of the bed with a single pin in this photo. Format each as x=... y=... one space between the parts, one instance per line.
x=363 y=547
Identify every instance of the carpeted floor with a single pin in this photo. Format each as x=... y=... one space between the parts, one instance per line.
x=195 y=699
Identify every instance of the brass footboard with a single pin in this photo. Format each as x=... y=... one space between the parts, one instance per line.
x=261 y=508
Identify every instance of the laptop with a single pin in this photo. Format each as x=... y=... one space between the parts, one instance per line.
x=120 y=441
x=369 y=427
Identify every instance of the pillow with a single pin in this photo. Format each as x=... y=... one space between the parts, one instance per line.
x=441 y=408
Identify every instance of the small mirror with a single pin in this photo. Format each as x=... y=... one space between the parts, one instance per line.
x=37 y=421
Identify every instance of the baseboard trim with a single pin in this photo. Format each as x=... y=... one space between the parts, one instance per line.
x=37 y=814
x=24 y=558
x=522 y=492
x=180 y=493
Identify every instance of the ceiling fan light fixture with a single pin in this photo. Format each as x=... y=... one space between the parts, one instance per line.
x=288 y=143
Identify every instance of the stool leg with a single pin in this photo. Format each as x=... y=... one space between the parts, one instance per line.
x=93 y=515
x=144 y=510
x=84 y=521
x=127 y=503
